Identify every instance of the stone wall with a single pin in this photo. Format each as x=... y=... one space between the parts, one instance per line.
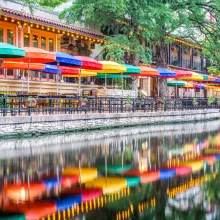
x=39 y=124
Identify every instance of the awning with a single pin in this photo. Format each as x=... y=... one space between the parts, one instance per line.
x=34 y=55
x=89 y=63
x=165 y=73
x=182 y=73
x=22 y=66
x=10 y=51
x=111 y=67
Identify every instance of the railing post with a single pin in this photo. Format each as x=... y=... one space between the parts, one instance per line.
x=133 y=105
x=109 y=105
x=121 y=104
x=155 y=106
x=4 y=106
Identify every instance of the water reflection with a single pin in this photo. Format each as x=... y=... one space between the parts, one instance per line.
x=151 y=172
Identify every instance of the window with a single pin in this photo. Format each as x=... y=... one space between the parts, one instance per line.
x=43 y=43
x=50 y=76
x=43 y=75
x=35 y=41
x=10 y=72
x=51 y=44
x=1 y=34
x=35 y=74
x=27 y=40
x=10 y=37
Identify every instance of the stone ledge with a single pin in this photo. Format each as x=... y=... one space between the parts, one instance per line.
x=73 y=117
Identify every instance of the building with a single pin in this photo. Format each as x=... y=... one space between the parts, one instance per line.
x=43 y=29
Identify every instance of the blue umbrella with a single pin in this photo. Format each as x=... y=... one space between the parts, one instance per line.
x=65 y=59
x=51 y=69
x=165 y=73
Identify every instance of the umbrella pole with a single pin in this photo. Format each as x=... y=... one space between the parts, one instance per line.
x=61 y=78
x=105 y=81
x=28 y=89
x=176 y=90
x=40 y=81
x=79 y=83
x=122 y=86
x=22 y=82
x=157 y=87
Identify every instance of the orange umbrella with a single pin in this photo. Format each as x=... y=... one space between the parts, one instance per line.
x=146 y=71
x=34 y=55
x=23 y=66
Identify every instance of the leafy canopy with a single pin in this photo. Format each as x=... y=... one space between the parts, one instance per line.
x=50 y=4
x=129 y=22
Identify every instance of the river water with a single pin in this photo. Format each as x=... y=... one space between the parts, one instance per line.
x=32 y=172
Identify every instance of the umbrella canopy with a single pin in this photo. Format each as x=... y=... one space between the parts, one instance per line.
x=194 y=77
x=111 y=67
x=176 y=83
x=23 y=66
x=34 y=55
x=207 y=77
x=146 y=71
x=83 y=74
x=111 y=76
x=65 y=59
x=188 y=86
x=51 y=69
x=165 y=73
x=199 y=86
x=89 y=63
x=182 y=73
x=68 y=70
x=131 y=69
x=10 y=51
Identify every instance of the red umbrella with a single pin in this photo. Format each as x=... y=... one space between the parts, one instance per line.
x=90 y=63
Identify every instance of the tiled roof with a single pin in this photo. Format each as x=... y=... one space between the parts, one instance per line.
x=32 y=18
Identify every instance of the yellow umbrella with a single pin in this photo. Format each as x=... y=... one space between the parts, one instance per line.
x=111 y=67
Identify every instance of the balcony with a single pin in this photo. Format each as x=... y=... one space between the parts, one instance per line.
x=196 y=65
x=187 y=63
x=174 y=61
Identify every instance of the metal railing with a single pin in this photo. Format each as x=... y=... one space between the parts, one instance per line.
x=25 y=105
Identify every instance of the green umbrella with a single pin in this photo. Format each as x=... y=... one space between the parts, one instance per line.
x=131 y=69
x=205 y=77
x=176 y=83
x=10 y=51
x=111 y=76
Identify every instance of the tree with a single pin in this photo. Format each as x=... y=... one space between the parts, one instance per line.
x=51 y=4
x=132 y=24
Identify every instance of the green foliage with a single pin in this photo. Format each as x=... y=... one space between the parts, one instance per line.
x=129 y=100
x=138 y=21
x=50 y=4
x=211 y=100
x=214 y=70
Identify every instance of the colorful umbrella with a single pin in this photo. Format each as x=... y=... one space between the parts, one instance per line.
x=182 y=73
x=64 y=59
x=23 y=66
x=84 y=73
x=176 y=83
x=10 y=51
x=89 y=63
x=131 y=69
x=34 y=55
x=165 y=73
x=146 y=71
x=111 y=67
x=194 y=77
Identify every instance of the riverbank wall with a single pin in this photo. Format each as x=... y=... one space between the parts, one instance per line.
x=46 y=124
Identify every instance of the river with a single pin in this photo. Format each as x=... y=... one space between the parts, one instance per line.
x=37 y=174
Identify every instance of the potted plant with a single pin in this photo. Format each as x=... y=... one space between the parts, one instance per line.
x=31 y=102
x=161 y=101
x=83 y=102
x=211 y=100
x=128 y=101
x=195 y=101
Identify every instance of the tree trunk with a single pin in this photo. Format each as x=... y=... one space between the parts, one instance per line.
x=161 y=57
x=133 y=61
